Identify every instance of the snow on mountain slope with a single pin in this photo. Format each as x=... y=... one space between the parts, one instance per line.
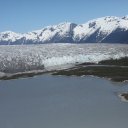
x=108 y=29
x=9 y=36
x=57 y=33
x=31 y=36
x=103 y=26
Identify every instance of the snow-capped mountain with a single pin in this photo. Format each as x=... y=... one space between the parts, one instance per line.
x=108 y=29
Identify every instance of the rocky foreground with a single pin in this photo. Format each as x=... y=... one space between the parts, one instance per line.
x=115 y=70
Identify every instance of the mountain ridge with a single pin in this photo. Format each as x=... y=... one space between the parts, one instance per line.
x=109 y=29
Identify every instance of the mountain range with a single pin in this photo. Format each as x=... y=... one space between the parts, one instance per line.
x=109 y=29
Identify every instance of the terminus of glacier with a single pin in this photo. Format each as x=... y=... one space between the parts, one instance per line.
x=22 y=58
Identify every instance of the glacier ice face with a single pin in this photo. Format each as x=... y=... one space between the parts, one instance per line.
x=109 y=29
x=22 y=58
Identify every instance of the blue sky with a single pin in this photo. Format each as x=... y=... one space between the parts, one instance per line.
x=28 y=15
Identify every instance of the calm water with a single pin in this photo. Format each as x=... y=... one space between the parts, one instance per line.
x=62 y=102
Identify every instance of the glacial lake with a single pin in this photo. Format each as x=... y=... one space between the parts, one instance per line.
x=48 y=101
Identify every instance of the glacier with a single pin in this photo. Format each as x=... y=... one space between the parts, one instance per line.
x=49 y=57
